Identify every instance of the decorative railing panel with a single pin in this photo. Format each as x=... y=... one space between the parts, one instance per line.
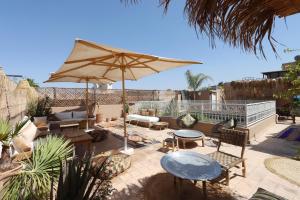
x=246 y=113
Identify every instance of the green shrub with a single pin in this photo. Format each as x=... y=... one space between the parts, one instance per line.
x=39 y=108
x=80 y=180
x=39 y=172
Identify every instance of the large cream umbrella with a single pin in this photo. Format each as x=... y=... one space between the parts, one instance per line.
x=80 y=79
x=89 y=58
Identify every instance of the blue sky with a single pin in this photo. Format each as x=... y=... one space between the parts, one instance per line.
x=37 y=36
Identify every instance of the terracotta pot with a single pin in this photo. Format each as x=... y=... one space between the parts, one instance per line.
x=99 y=118
x=40 y=120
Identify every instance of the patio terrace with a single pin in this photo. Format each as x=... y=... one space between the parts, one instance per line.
x=146 y=179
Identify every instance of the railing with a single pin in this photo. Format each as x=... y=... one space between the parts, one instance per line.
x=246 y=113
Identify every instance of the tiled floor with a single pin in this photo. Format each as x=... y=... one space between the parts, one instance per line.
x=146 y=164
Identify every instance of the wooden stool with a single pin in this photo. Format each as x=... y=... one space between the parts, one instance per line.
x=168 y=141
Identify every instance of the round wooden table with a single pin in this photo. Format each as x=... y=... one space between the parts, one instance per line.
x=189 y=135
x=191 y=166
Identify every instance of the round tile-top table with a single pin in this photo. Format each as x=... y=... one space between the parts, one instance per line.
x=191 y=166
x=189 y=135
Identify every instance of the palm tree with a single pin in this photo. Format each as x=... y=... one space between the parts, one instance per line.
x=195 y=81
x=32 y=83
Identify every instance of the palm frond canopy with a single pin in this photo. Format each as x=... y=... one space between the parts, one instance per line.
x=242 y=24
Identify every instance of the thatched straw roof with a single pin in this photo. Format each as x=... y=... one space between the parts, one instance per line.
x=31 y=93
x=241 y=23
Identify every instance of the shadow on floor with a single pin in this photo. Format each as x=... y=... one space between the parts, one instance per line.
x=276 y=146
x=161 y=187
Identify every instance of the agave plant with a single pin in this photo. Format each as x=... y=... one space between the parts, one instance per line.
x=7 y=132
x=34 y=180
x=39 y=108
x=80 y=180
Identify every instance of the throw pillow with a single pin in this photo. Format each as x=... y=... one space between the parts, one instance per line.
x=229 y=124
x=20 y=144
x=188 y=120
x=151 y=112
x=30 y=133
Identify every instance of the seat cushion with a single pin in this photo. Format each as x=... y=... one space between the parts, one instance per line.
x=64 y=115
x=20 y=144
x=79 y=114
x=25 y=118
x=262 y=194
x=30 y=133
x=142 y=118
x=226 y=160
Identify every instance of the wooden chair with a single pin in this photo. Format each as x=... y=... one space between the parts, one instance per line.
x=226 y=160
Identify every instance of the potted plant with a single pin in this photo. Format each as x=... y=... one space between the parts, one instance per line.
x=126 y=110
x=39 y=110
x=7 y=133
x=99 y=116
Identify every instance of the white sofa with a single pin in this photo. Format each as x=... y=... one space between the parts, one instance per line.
x=140 y=118
x=71 y=116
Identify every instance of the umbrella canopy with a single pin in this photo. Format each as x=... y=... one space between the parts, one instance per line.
x=89 y=58
x=77 y=79
x=80 y=79
x=113 y=64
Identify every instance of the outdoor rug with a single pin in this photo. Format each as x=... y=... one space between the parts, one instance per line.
x=286 y=168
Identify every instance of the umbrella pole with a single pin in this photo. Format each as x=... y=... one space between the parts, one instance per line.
x=124 y=105
x=87 y=105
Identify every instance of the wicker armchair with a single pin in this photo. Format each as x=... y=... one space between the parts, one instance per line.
x=226 y=160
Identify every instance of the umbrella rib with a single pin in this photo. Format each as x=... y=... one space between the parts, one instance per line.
x=79 y=67
x=114 y=62
x=73 y=69
x=147 y=61
x=90 y=59
x=179 y=61
x=132 y=74
x=80 y=78
x=145 y=65
x=133 y=59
